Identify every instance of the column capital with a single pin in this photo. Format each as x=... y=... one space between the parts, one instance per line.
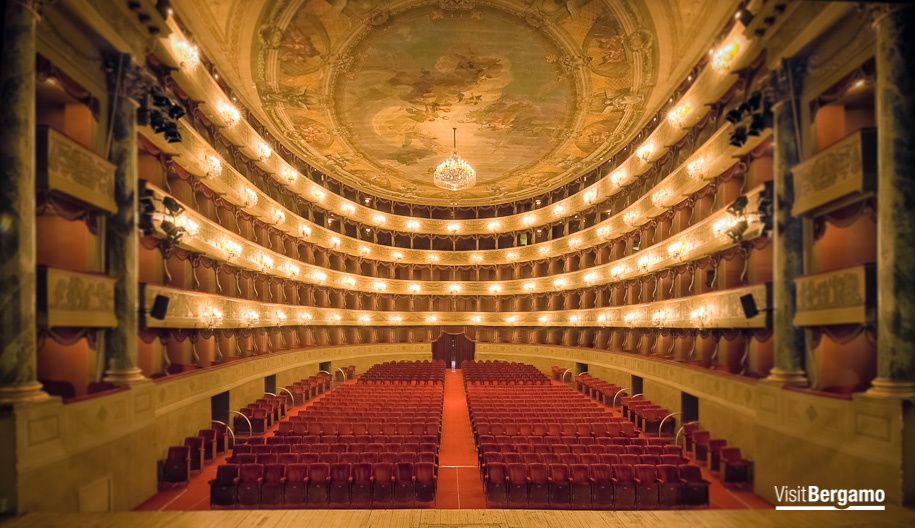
x=785 y=82
x=127 y=79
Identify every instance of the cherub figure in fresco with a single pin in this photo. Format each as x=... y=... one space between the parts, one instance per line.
x=306 y=99
x=614 y=101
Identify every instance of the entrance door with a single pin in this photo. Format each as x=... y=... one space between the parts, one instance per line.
x=453 y=347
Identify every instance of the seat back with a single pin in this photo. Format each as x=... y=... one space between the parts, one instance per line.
x=226 y=474
x=318 y=472
x=624 y=473
x=601 y=473
x=690 y=473
x=731 y=454
x=250 y=472
x=340 y=472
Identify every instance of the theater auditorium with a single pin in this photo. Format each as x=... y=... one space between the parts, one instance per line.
x=439 y=263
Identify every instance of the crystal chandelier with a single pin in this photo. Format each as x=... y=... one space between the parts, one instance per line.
x=454 y=173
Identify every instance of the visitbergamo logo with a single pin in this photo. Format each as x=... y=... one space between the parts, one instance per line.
x=816 y=498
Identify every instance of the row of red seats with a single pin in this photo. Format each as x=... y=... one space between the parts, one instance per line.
x=331 y=458
x=597 y=389
x=579 y=429
x=714 y=452
x=260 y=415
x=486 y=372
x=597 y=486
x=351 y=439
x=571 y=440
x=322 y=485
x=307 y=389
x=514 y=447
x=431 y=425
x=405 y=371
x=359 y=447
x=574 y=458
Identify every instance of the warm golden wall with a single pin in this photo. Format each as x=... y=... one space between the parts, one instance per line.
x=100 y=453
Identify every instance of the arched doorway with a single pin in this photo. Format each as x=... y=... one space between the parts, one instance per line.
x=453 y=347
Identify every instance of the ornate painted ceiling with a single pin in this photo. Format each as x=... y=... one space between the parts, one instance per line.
x=368 y=91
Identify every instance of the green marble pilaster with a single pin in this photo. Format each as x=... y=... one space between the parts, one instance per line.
x=18 y=325
x=788 y=250
x=895 y=113
x=122 y=238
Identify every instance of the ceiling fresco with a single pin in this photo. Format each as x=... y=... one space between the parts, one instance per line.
x=368 y=91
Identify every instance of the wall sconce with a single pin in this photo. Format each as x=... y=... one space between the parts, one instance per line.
x=305 y=317
x=364 y=250
x=493 y=226
x=544 y=250
x=319 y=276
x=512 y=319
x=454 y=228
x=590 y=196
x=529 y=286
x=646 y=262
x=379 y=286
x=250 y=317
x=559 y=284
x=660 y=318
x=559 y=209
x=304 y=230
x=476 y=258
x=397 y=255
x=348 y=282
x=602 y=319
x=722 y=59
x=677 y=116
x=334 y=242
x=618 y=177
x=574 y=319
x=574 y=242
x=412 y=225
x=495 y=288
x=263 y=152
x=318 y=194
x=631 y=218
x=335 y=318
x=292 y=270
x=432 y=319
x=348 y=208
x=211 y=317
x=249 y=197
x=229 y=114
x=213 y=167
x=432 y=257
x=289 y=175
x=476 y=319
x=696 y=168
x=659 y=198
x=644 y=152
x=265 y=262
x=700 y=316
x=414 y=288
x=603 y=231
x=679 y=249
x=631 y=319
x=591 y=278
x=188 y=54
x=543 y=319
x=365 y=319
x=396 y=319
x=454 y=289
x=528 y=220
x=278 y=217
x=511 y=255
x=231 y=248
x=618 y=271
x=190 y=227
x=281 y=317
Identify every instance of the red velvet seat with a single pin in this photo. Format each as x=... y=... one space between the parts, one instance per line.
x=517 y=484
x=624 y=495
x=222 y=488
x=266 y=458
x=669 y=487
x=272 y=485
x=647 y=487
x=340 y=481
x=361 y=488
x=495 y=482
x=208 y=436
x=559 y=486
x=248 y=489
x=538 y=485
x=695 y=488
x=735 y=468
x=700 y=446
x=194 y=445
x=425 y=481
x=382 y=484
x=601 y=486
x=294 y=487
x=177 y=465
x=318 y=484
x=404 y=480
x=652 y=460
x=580 y=486
x=714 y=453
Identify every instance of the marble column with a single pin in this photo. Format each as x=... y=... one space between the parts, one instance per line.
x=895 y=113
x=788 y=234
x=121 y=236
x=18 y=326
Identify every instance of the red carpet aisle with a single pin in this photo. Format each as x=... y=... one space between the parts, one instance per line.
x=459 y=484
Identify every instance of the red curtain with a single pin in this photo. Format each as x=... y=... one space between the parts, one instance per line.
x=453 y=347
